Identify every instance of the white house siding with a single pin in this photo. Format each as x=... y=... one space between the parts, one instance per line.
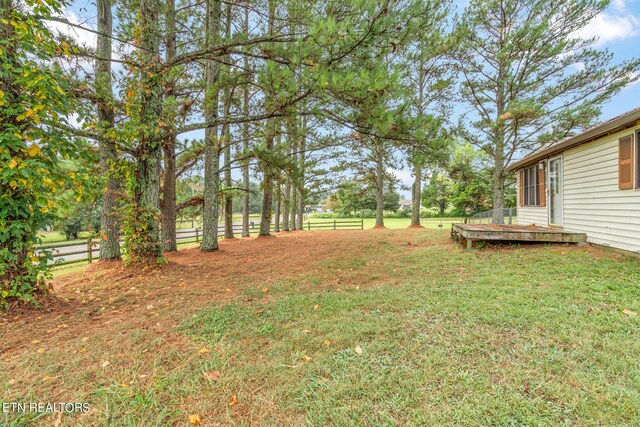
x=593 y=204
x=528 y=215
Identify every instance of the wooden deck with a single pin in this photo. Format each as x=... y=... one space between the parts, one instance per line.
x=469 y=233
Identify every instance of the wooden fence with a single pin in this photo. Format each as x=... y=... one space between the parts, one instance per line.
x=90 y=248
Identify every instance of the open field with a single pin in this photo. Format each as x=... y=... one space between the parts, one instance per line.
x=375 y=327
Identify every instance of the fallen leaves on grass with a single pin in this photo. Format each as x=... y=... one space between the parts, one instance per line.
x=211 y=375
x=194 y=419
x=327 y=342
x=265 y=289
x=358 y=349
x=306 y=358
x=58 y=420
x=40 y=350
x=233 y=401
x=35 y=341
x=315 y=307
x=105 y=364
x=48 y=378
x=629 y=313
x=204 y=350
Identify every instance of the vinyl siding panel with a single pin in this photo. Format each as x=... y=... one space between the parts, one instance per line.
x=593 y=204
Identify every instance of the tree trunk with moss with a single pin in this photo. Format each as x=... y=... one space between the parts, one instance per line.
x=109 y=222
x=210 y=214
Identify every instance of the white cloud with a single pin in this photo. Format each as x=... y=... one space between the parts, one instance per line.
x=81 y=36
x=406 y=178
x=612 y=25
x=619 y=5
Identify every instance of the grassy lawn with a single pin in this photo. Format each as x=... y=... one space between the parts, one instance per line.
x=378 y=327
x=57 y=236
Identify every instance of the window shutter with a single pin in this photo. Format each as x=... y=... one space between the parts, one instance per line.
x=542 y=188
x=521 y=187
x=625 y=164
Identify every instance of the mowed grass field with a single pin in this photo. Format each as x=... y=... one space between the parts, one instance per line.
x=374 y=327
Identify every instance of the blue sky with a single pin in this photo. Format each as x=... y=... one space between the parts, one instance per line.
x=617 y=28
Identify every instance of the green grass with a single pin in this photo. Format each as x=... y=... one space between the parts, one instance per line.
x=510 y=343
x=396 y=223
x=57 y=236
x=523 y=336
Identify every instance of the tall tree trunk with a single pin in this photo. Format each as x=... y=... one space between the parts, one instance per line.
x=498 y=149
x=16 y=269
x=245 y=141
x=169 y=242
x=416 y=193
x=276 y=223
x=293 y=225
x=379 y=183
x=228 y=195
x=293 y=212
x=210 y=212
x=301 y=168
x=110 y=236
x=286 y=199
x=498 y=194
x=267 y=169
x=416 y=190
x=267 y=189
x=147 y=173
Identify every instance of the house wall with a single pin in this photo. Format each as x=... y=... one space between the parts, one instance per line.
x=528 y=215
x=593 y=204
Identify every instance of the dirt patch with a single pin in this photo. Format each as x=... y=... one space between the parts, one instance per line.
x=135 y=297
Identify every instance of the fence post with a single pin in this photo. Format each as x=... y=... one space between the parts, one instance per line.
x=308 y=225
x=334 y=224
x=89 y=251
x=361 y=224
x=197 y=236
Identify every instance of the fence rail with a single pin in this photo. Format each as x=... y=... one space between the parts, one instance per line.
x=90 y=248
x=507 y=215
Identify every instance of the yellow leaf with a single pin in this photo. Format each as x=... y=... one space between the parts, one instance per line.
x=13 y=184
x=233 y=400
x=327 y=342
x=34 y=150
x=48 y=378
x=40 y=350
x=306 y=358
x=265 y=289
x=35 y=341
x=124 y=385
x=105 y=364
x=194 y=419
x=204 y=351
x=315 y=307
x=13 y=164
x=629 y=313
x=358 y=349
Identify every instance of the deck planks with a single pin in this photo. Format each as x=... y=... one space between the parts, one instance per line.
x=469 y=233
